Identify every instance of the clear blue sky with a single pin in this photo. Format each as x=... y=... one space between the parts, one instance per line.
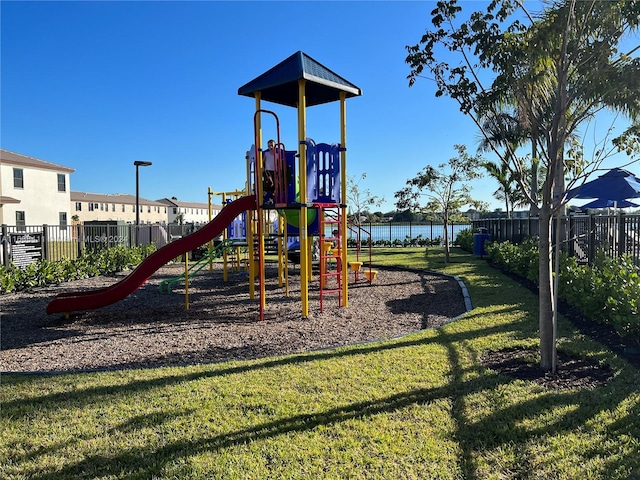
x=97 y=85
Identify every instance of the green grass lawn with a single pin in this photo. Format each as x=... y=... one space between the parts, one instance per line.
x=418 y=407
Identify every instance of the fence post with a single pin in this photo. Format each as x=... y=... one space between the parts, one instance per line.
x=622 y=238
x=5 y=246
x=79 y=238
x=592 y=238
x=45 y=242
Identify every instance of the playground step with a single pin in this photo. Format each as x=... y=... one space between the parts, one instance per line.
x=330 y=291
x=270 y=244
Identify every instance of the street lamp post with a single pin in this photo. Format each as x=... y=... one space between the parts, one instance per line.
x=138 y=163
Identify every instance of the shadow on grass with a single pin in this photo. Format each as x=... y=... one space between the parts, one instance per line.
x=509 y=427
x=151 y=461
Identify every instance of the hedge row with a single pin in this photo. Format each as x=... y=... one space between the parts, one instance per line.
x=418 y=241
x=608 y=291
x=91 y=264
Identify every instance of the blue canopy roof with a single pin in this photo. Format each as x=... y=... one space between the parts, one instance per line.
x=601 y=203
x=280 y=83
x=616 y=185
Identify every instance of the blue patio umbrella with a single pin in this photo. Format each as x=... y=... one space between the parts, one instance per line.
x=600 y=203
x=615 y=186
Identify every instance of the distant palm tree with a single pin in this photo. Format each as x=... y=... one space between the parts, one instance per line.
x=504 y=129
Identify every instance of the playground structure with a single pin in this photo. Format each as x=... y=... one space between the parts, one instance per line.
x=310 y=185
x=319 y=181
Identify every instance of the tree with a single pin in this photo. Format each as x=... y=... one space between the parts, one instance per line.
x=403 y=216
x=558 y=70
x=360 y=199
x=506 y=129
x=445 y=187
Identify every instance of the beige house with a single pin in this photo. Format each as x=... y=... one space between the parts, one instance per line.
x=25 y=183
x=189 y=212
x=37 y=192
x=117 y=207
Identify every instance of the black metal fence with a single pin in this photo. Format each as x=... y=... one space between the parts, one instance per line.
x=24 y=244
x=581 y=236
x=391 y=232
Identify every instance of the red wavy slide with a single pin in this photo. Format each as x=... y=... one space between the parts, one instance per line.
x=88 y=300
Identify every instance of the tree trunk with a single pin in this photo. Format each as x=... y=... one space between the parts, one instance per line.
x=545 y=293
x=534 y=168
x=445 y=221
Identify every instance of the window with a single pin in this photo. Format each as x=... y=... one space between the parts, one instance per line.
x=123 y=208
x=102 y=206
x=90 y=206
x=20 y=222
x=63 y=220
x=18 y=178
x=113 y=207
x=78 y=206
x=133 y=208
x=175 y=210
x=62 y=183
x=148 y=208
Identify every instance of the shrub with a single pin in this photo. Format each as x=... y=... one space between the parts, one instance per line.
x=464 y=240
x=523 y=260
x=607 y=292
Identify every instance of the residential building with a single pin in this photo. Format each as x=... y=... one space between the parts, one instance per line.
x=25 y=183
x=118 y=207
x=37 y=192
x=188 y=212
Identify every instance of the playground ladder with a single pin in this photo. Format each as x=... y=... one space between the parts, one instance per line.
x=330 y=249
x=357 y=230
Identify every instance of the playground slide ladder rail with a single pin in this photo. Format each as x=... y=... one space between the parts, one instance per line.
x=328 y=217
x=358 y=229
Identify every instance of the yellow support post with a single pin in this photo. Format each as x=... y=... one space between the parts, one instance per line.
x=302 y=162
x=225 y=266
x=343 y=186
